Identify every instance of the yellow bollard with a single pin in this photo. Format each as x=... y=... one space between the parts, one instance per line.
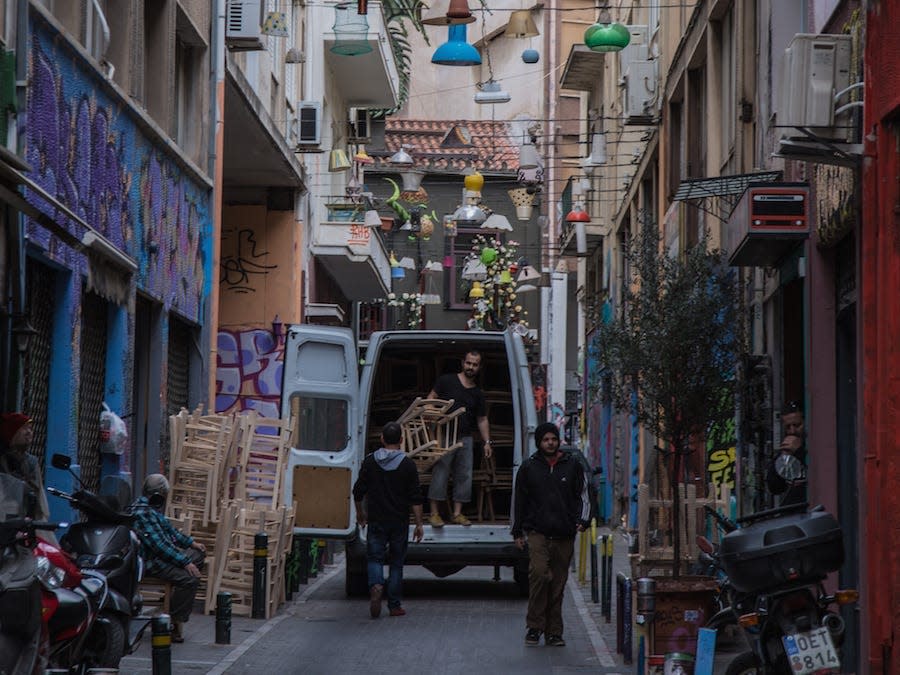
x=582 y=557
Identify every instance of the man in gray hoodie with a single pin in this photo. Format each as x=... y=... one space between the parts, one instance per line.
x=389 y=481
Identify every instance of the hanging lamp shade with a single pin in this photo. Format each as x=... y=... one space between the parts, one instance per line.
x=337 y=161
x=531 y=56
x=438 y=13
x=456 y=51
x=294 y=55
x=605 y=36
x=362 y=157
x=372 y=219
x=527 y=273
x=497 y=221
x=474 y=182
x=578 y=215
x=528 y=156
x=398 y=272
x=521 y=25
x=477 y=291
x=468 y=215
x=474 y=270
x=412 y=179
x=401 y=157
x=351 y=31
x=526 y=288
x=275 y=24
x=491 y=92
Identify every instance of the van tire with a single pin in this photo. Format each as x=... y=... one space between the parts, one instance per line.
x=356 y=577
x=520 y=575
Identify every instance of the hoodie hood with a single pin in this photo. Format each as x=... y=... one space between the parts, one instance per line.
x=389 y=459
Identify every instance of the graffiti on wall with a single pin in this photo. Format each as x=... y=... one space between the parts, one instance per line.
x=721 y=456
x=538 y=374
x=247 y=259
x=88 y=151
x=248 y=372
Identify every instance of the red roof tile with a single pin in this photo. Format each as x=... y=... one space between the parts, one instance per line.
x=453 y=145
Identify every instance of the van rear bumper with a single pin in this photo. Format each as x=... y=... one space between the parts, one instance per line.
x=465 y=553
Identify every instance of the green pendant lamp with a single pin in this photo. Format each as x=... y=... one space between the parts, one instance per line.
x=606 y=36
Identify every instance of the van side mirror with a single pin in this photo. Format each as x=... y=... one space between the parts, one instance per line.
x=61 y=461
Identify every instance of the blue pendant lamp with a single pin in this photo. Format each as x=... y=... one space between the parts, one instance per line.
x=456 y=51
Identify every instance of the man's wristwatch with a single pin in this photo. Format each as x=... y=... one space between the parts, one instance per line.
x=489 y=442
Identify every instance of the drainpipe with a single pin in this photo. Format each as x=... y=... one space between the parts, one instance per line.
x=216 y=157
x=15 y=396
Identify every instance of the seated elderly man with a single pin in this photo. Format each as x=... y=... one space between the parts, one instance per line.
x=168 y=553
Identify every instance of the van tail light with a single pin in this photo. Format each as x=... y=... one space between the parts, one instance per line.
x=750 y=620
x=846 y=596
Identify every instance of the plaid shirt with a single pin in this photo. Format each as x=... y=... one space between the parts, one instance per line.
x=161 y=543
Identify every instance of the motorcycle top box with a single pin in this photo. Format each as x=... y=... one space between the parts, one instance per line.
x=800 y=547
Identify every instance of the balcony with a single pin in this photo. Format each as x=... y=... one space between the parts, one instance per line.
x=367 y=80
x=354 y=256
x=583 y=70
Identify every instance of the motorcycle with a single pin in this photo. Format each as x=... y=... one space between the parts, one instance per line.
x=776 y=563
x=23 y=638
x=105 y=544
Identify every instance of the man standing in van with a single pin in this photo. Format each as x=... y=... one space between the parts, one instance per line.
x=551 y=505
x=389 y=481
x=463 y=388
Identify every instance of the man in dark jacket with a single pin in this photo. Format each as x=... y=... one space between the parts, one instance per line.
x=389 y=480
x=551 y=505
x=786 y=475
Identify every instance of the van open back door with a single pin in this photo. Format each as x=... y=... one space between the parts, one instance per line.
x=320 y=391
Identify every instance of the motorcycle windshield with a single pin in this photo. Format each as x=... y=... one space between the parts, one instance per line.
x=14 y=495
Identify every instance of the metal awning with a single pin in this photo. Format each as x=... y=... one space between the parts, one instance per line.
x=354 y=256
x=719 y=195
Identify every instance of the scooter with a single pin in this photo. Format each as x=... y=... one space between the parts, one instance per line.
x=104 y=543
x=23 y=638
x=776 y=563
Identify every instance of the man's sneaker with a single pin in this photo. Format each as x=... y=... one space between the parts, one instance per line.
x=460 y=519
x=435 y=520
x=178 y=631
x=554 y=641
x=398 y=611
x=375 y=600
x=532 y=637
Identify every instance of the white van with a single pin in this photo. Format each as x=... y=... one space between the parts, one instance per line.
x=340 y=405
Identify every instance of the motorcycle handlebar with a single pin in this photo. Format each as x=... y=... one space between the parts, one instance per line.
x=727 y=523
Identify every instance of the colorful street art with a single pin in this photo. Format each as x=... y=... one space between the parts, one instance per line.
x=91 y=152
x=721 y=456
x=248 y=372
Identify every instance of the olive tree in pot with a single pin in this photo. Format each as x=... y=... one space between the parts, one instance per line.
x=672 y=348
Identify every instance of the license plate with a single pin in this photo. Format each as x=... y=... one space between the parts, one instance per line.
x=811 y=652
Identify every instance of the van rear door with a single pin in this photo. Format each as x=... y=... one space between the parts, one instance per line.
x=320 y=390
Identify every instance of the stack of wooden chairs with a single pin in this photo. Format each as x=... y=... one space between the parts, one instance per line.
x=429 y=431
x=226 y=476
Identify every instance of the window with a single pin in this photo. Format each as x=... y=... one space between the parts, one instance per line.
x=190 y=97
x=459 y=247
x=727 y=84
x=319 y=423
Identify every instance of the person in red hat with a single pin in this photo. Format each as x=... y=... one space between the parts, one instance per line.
x=16 y=435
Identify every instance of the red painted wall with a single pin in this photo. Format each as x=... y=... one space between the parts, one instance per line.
x=880 y=322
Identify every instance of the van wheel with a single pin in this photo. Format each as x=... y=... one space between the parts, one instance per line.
x=520 y=575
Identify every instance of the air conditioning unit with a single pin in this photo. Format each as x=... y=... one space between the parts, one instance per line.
x=360 y=126
x=640 y=92
x=243 y=25
x=638 y=49
x=309 y=123
x=815 y=68
x=767 y=222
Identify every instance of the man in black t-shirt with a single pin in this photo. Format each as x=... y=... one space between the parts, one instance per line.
x=465 y=392
x=389 y=483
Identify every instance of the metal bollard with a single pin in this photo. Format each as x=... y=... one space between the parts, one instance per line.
x=595 y=590
x=627 y=626
x=609 y=576
x=161 y=644
x=223 y=618
x=260 y=560
x=603 y=579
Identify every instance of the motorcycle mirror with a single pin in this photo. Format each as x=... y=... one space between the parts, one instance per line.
x=705 y=544
x=62 y=462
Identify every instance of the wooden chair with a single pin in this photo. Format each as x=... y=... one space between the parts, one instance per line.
x=429 y=431
x=490 y=480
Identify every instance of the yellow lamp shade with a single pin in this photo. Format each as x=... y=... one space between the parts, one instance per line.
x=477 y=291
x=474 y=182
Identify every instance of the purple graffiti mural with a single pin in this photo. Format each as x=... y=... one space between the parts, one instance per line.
x=89 y=151
x=248 y=372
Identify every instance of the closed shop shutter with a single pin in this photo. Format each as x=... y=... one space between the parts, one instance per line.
x=93 y=378
x=41 y=284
